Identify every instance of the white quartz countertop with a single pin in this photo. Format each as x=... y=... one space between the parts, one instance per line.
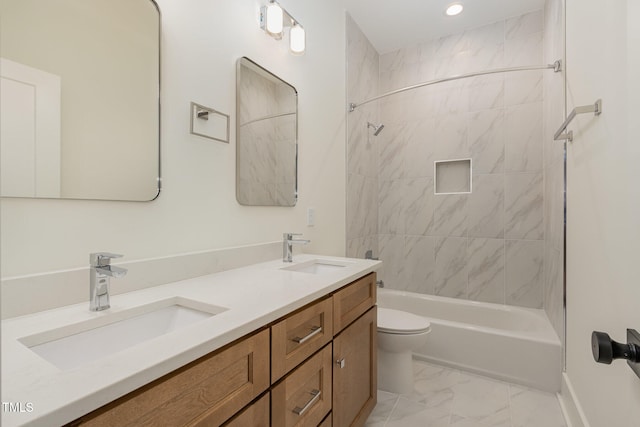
x=40 y=394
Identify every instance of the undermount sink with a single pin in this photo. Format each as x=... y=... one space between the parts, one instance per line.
x=318 y=266
x=74 y=345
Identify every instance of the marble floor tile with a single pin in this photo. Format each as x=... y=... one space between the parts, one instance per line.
x=411 y=414
x=457 y=421
x=445 y=397
x=433 y=386
x=534 y=408
x=386 y=402
x=481 y=399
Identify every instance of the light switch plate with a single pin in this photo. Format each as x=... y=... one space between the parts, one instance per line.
x=633 y=337
x=311 y=217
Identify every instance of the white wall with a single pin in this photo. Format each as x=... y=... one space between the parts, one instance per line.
x=197 y=210
x=603 y=204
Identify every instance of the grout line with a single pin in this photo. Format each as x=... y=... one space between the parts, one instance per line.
x=510 y=407
x=392 y=409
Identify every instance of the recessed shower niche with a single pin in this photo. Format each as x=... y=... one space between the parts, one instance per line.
x=452 y=176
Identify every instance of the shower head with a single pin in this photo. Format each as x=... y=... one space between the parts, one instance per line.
x=376 y=129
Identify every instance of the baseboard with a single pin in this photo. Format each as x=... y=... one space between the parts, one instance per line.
x=571 y=408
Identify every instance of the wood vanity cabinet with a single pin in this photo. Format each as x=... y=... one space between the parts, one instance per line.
x=255 y=415
x=327 y=422
x=313 y=367
x=355 y=369
x=205 y=392
x=350 y=380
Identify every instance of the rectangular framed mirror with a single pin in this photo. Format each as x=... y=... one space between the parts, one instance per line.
x=80 y=99
x=267 y=137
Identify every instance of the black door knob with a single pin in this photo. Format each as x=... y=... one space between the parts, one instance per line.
x=605 y=350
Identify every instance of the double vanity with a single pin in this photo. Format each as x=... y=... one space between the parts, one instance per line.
x=273 y=343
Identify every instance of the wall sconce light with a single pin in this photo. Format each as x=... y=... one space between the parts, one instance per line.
x=273 y=19
x=297 y=39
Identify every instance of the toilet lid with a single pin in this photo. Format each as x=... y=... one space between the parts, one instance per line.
x=401 y=322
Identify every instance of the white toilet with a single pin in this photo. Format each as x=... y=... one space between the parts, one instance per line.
x=399 y=333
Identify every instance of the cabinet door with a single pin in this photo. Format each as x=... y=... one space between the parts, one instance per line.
x=303 y=398
x=355 y=371
x=300 y=335
x=352 y=301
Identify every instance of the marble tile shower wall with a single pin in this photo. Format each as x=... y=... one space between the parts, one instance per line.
x=362 y=151
x=487 y=245
x=554 y=103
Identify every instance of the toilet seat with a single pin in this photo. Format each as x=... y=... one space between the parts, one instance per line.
x=398 y=322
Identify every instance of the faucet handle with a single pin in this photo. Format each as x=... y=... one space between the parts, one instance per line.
x=289 y=236
x=102 y=258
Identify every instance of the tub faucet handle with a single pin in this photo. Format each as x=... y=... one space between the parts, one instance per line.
x=369 y=255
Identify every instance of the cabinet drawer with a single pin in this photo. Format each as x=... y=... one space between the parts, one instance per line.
x=299 y=336
x=255 y=415
x=303 y=398
x=327 y=422
x=352 y=301
x=205 y=392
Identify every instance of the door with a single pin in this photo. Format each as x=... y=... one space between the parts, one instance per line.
x=603 y=206
x=29 y=131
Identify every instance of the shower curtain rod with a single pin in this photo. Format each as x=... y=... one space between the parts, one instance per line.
x=272 y=116
x=556 y=66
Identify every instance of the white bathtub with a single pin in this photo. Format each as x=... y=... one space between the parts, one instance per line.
x=509 y=343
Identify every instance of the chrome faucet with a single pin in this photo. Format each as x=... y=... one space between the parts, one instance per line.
x=287 y=245
x=100 y=270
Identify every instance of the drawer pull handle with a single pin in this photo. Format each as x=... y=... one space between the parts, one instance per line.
x=314 y=331
x=316 y=396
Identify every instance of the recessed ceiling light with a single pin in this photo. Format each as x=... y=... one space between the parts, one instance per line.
x=454 y=9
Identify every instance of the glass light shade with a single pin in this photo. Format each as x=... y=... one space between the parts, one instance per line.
x=454 y=9
x=297 y=40
x=274 y=19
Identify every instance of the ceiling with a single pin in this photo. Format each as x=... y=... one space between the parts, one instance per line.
x=393 y=24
